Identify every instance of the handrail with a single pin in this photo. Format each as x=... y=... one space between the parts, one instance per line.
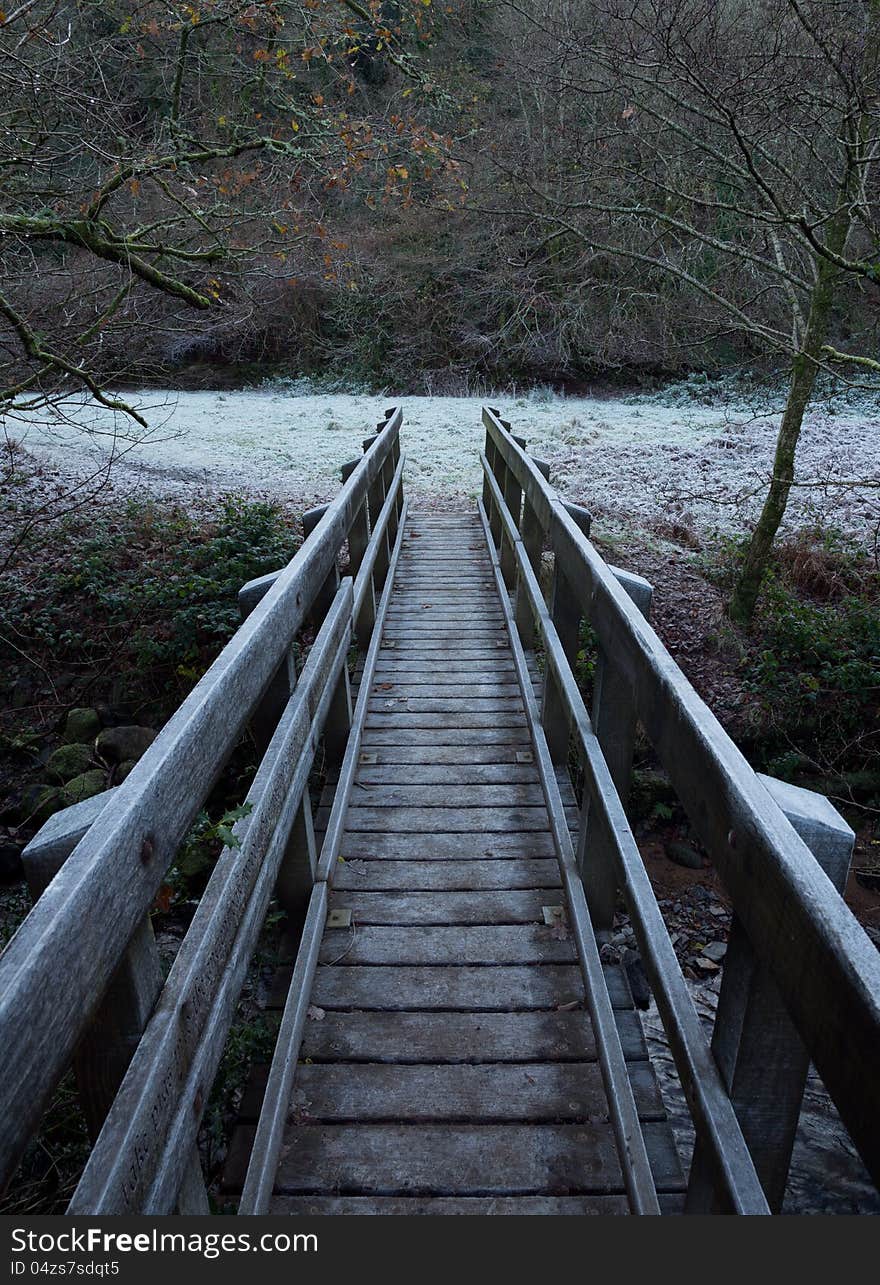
x=263 y=1162
x=827 y=970
x=57 y=967
x=633 y=1155
x=715 y=1118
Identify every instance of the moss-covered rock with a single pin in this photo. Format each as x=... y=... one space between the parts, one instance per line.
x=67 y=762
x=85 y=786
x=123 y=770
x=123 y=744
x=48 y=801
x=82 y=726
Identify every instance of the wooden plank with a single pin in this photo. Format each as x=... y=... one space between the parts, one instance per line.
x=446 y=820
x=515 y=795
x=430 y=753
x=458 y=722
x=503 y=1092
x=671 y=1204
x=482 y=944
x=458 y=675
x=384 y=703
x=440 y=1158
x=405 y=686
x=516 y=737
x=412 y=1037
x=438 y=846
x=400 y=909
x=447 y=774
x=448 y=875
x=458 y=987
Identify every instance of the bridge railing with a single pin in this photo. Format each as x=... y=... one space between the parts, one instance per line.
x=80 y=982
x=801 y=978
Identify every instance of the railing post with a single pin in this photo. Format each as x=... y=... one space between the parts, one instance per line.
x=512 y=492
x=375 y=500
x=759 y=1053
x=323 y=599
x=614 y=722
x=566 y=613
x=532 y=536
x=296 y=874
x=499 y=469
x=269 y=709
x=114 y=1032
x=358 y=540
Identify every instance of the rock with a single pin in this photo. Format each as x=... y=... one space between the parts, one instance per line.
x=11 y=869
x=682 y=854
x=124 y=744
x=705 y=965
x=123 y=770
x=85 y=786
x=49 y=800
x=716 y=950
x=82 y=725
x=68 y=761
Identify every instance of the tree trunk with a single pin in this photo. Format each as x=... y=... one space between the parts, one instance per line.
x=803 y=377
x=805 y=368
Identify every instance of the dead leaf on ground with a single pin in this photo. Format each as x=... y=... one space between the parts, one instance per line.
x=315 y=1014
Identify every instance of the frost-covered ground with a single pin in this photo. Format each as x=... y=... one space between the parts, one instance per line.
x=647 y=459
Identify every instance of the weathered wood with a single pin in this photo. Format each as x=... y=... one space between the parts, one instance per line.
x=485 y=944
x=459 y=674
x=440 y=1159
x=423 y=908
x=614 y=721
x=446 y=876
x=399 y=703
x=759 y=1053
x=133 y=1163
x=49 y=985
x=500 y=1093
x=348 y=767
x=443 y=774
x=826 y=968
x=514 y=795
x=709 y=1101
x=270 y=1130
x=547 y=986
x=460 y=723
x=637 y=1176
x=452 y=1206
x=404 y=820
x=437 y=846
x=446 y=755
x=414 y=1037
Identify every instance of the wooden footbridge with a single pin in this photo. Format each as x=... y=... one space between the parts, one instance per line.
x=454 y=1034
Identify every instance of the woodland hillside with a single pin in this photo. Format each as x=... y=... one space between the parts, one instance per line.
x=424 y=195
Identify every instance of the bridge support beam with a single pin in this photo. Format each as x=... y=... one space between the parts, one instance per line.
x=762 y=1059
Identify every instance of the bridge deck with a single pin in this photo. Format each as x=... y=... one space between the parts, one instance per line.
x=449 y=1065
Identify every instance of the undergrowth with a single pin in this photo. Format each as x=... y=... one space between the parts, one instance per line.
x=811 y=664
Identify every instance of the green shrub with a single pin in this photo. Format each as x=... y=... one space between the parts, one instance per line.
x=147 y=595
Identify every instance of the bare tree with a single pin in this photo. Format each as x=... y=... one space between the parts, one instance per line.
x=174 y=166
x=722 y=155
